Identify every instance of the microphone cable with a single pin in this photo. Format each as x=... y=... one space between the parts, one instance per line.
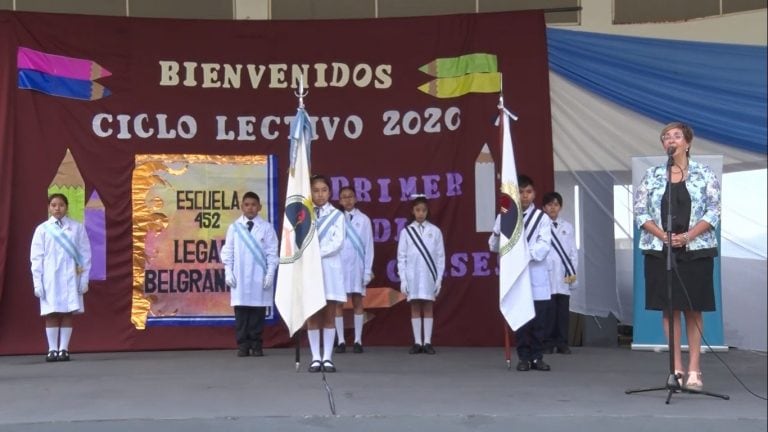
x=704 y=339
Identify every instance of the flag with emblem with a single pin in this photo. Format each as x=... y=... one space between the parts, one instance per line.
x=515 y=292
x=300 y=291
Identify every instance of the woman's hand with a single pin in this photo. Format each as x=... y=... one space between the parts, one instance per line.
x=680 y=240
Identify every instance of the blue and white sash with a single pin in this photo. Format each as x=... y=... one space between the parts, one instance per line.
x=66 y=243
x=423 y=251
x=326 y=222
x=537 y=215
x=355 y=240
x=566 y=260
x=252 y=246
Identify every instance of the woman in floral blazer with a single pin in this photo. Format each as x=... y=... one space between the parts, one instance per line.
x=695 y=213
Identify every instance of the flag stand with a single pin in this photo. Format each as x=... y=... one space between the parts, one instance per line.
x=297 y=344
x=507 y=347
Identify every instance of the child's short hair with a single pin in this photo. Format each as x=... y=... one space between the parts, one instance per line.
x=552 y=196
x=60 y=196
x=524 y=181
x=347 y=188
x=319 y=178
x=252 y=195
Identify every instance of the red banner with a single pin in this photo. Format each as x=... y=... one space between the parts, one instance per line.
x=399 y=106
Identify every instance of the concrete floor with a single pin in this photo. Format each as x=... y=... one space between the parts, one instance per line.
x=384 y=389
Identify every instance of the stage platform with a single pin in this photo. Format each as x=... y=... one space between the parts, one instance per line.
x=383 y=389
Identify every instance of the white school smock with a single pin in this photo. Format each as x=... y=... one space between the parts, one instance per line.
x=240 y=262
x=55 y=271
x=539 y=246
x=357 y=270
x=555 y=267
x=330 y=253
x=411 y=265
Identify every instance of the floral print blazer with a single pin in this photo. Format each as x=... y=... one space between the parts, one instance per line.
x=704 y=189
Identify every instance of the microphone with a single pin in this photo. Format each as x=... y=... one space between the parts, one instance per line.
x=671 y=150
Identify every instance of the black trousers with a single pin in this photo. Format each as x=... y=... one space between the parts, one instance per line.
x=559 y=318
x=249 y=325
x=530 y=336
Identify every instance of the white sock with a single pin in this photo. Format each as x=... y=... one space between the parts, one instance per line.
x=359 y=328
x=340 y=329
x=52 y=334
x=328 y=335
x=314 y=343
x=428 y=330
x=66 y=334
x=416 y=325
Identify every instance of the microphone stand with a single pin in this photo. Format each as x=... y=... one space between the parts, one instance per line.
x=673 y=383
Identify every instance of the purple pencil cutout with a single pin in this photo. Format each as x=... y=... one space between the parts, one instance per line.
x=57 y=65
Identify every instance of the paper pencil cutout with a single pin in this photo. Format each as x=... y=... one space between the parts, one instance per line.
x=485 y=184
x=62 y=76
x=462 y=65
x=64 y=87
x=379 y=297
x=96 y=227
x=444 y=88
x=69 y=182
x=56 y=65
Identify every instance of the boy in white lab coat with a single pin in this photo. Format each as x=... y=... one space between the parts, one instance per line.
x=531 y=335
x=562 y=263
x=250 y=259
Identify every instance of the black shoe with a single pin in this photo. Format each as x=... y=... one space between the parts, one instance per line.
x=257 y=352
x=563 y=349
x=357 y=348
x=429 y=349
x=415 y=349
x=328 y=366
x=549 y=350
x=63 y=355
x=243 y=352
x=523 y=365
x=341 y=348
x=52 y=356
x=539 y=364
x=315 y=366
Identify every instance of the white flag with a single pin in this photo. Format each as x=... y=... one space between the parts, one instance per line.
x=300 y=291
x=515 y=292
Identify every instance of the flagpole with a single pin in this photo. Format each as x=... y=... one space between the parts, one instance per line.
x=507 y=343
x=297 y=336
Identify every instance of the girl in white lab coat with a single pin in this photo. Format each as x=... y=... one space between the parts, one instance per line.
x=357 y=255
x=421 y=263
x=61 y=261
x=331 y=230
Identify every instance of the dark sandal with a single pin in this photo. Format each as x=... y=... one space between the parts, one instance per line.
x=315 y=366
x=328 y=366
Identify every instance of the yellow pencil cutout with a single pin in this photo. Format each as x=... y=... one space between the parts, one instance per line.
x=69 y=182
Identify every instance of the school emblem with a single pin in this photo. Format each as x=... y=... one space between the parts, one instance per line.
x=298 y=228
x=511 y=217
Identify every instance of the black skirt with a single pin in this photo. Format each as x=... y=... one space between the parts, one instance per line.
x=695 y=270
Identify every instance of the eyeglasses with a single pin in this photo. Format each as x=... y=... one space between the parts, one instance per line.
x=676 y=136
